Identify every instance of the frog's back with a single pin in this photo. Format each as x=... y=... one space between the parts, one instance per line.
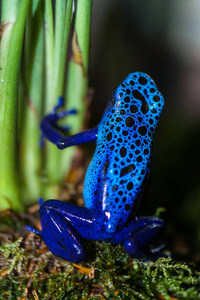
x=121 y=161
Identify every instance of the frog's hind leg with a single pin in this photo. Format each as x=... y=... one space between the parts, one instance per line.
x=144 y=232
x=62 y=240
x=64 y=226
x=59 y=234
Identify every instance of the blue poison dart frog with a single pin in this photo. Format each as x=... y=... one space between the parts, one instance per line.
x=114 y=179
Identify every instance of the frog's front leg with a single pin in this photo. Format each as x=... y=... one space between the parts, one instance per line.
x=138 y=242
x=138 y=235
x=53 y=132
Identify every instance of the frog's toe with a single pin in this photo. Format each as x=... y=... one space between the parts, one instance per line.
x=131 y=247
x=29 y=228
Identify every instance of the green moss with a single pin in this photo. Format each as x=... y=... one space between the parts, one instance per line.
x=28 y=270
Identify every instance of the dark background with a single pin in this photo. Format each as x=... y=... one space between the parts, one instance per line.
x=162 y=39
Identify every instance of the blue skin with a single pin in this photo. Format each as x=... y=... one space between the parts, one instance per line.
x=114 y=179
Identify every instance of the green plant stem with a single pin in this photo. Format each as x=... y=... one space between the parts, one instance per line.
x=31 y=104
x=77 y=83
x=49 y=56
x=56 y=47
x=42 y=81
x=82 y=28
x=77 y=79
x=10 y=60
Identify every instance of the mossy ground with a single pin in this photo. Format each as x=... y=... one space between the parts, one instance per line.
x=29 y=271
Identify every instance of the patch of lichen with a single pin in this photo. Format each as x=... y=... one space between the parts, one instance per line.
x=29 y=271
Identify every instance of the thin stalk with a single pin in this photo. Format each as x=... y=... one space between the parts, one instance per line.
x=11 y=51
x=77 y=83
x=61 y=42
x=49 y=56
x=56 y=52
x=77 y=79
x=31 y=103
x=35 y=85
x=82 y=29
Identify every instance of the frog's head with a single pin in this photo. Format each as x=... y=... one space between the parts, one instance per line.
x=138 y=98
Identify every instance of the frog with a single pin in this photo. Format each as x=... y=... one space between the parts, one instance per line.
x=114 y=180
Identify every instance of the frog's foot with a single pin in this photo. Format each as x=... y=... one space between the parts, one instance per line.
x=56 y=116
x=49 y=127
x=142 y=236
